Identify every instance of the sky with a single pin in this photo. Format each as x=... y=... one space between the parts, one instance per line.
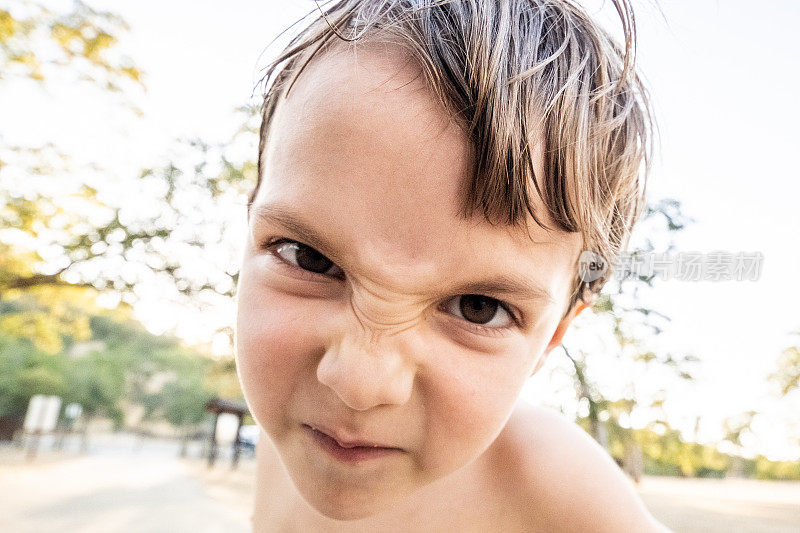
x=722 y=77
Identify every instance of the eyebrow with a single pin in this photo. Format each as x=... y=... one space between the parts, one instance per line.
x=280 y=215
x=499 y=286
x=508 y=285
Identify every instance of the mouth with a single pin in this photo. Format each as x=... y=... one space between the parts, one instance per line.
x=348 y=450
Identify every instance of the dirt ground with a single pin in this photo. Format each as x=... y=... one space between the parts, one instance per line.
x=128 y=484
x=119 y=486
x=723 y=505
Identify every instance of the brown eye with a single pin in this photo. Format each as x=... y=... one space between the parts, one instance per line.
x=479 y=309
x=306 y=258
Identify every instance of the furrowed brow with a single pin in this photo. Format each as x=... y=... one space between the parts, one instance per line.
x=508 y=285
x=505 y=285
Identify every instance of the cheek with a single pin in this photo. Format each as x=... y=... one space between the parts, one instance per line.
x=274 y=346
x=471 y=398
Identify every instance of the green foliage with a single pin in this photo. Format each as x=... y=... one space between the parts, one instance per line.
x=97 y=382
x=26 y=371
x=181 y=401
x=121 y=365
x=666 y=453
x=782 y=470
x=34 y=40
x=46 y=317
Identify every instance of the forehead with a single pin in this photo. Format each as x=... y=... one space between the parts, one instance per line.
x=363 y=151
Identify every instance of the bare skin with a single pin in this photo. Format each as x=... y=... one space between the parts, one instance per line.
x=370 y=306
x=542 y=473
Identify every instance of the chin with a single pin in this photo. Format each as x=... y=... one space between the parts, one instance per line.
x=346 y=507
x=347 y=514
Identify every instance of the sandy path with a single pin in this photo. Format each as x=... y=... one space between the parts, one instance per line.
x=113 y=492
x=715 y=505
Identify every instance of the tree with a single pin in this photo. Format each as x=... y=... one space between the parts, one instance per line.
x=97 y=382
x=787 y=379
x=69 y=233
x=35 y=41
x=587 y=390
x=64 y=239
x=24 y=372
x=787 y=375
x=631 y=324
x=735 y=427
x=121 y=365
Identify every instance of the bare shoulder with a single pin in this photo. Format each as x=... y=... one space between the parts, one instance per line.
x=562 y=480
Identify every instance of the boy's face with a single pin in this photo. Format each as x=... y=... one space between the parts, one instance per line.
x=365 y=328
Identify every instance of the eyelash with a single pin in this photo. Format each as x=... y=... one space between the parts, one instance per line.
x=486 y=330
x=270 y=245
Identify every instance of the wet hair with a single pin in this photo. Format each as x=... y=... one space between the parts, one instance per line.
x=512 y=74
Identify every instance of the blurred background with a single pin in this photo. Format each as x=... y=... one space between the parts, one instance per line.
x=128 y=136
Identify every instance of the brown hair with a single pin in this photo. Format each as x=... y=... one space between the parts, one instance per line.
x=510 y=71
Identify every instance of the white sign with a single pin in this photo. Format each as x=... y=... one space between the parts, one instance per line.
x=73 y=411
x=42 y=413
x=227 y=426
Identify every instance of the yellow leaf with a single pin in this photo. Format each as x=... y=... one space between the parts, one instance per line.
x=8 y=26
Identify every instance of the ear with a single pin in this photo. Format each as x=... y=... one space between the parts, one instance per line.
x=561 y=329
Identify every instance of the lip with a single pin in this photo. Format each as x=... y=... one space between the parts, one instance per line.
x=346 y=441
x=348 y=449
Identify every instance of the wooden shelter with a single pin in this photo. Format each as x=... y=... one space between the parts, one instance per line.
x=217 y=406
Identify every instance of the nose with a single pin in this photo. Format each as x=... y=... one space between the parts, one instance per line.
x=365 y=373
